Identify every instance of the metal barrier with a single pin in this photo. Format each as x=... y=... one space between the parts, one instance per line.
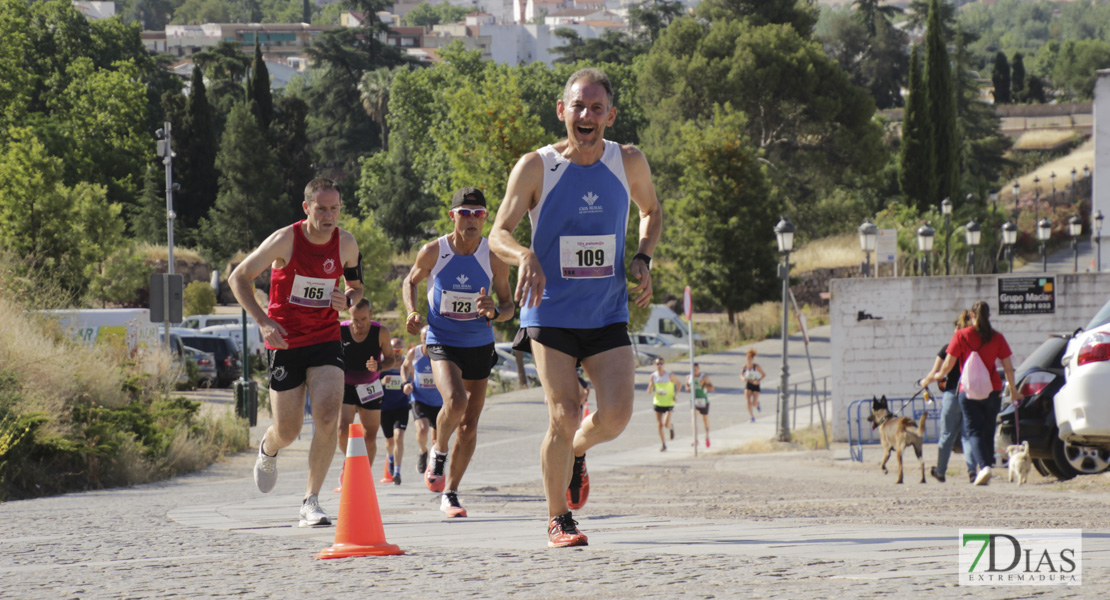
x=859 y=410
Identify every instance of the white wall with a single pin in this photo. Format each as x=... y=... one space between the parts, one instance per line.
x=885 y=356
x=513 y=44
x=1101 y=168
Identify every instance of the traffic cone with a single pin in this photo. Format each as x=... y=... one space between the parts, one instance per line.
x=359 y=530
x=387 y=477
x=585 y=412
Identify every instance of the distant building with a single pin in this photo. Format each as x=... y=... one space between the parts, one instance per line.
x=515 y=44
x=278 y=40
x=95 y=11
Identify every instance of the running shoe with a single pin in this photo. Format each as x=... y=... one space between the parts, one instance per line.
x=562 y=532
x=422 y=463
x=397 y=476
x=664 y=448
x=339 y=488
x=311 y=513
x=265 y=471
x=433 y=477
x=579 y=489
x=450 y=505
x=672 y=433
x=706 y=442
x=753 y=420
x=983 y=477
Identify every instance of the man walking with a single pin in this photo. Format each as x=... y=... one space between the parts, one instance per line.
x=301 y=333
x=460 y=270
x=572 y=285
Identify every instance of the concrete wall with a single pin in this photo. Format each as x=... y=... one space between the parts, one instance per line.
x=913 y=319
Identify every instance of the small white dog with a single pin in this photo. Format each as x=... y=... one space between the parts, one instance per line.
x=1019 y=462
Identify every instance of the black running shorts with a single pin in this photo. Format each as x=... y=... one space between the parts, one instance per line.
x=752 y=386
x=350 y=396
x=579 y=343
x=475 y=363
x=662 y=409
x=702 y=409
x=289 y=368
x=394 y=418
x=424 y=411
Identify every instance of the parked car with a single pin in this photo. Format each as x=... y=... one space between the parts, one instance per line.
x=1082 y=413
x=1042 y=419
x=228 y=366
x=235 y=332
x=202 y=321
x=506 y=364
x=206 y=365
x=656 y=345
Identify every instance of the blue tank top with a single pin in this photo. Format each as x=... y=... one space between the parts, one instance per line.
x=393 y=397
x=453 y=288
x=578 y=233
x=423 y=386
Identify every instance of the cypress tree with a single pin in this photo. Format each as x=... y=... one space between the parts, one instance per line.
x=915 y=158
x=258 y=90
x=942 y=108
x=1000 y=77
x=1017 y=78
x=306 y=16
x=197 y=146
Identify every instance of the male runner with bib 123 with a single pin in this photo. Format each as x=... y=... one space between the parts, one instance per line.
x=572 y=286
x=301 y=332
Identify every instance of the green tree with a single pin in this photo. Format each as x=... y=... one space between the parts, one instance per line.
x=373 y=93
x=198 y=298
x=289 y=136
x=573 y=48
x=426 y=15
x=249 y=203
x=916 y=158
x=225 y=67
x=724 y=201
x=391 y=191
x=1000 y=78
x=874 y=16
x=1017 y=78
x=879 y=63
x=1076 y=66
x=196 y=143
x=197 y=12
x=18 y=80
x=648 y=18
x=120 y=279
x=799 y=14
x=983 y=145
x=149 y=223
x=941 y=108
x=258 y=90
x=376 y=255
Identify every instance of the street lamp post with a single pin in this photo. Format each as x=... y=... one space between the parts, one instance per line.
x=784 y=235
x=868 y=236
x=1009 y=238
x=1098 y=239
x=994 y=200
x=1075 y=227
x=1036 y=199
x=925 y=235
x=1044 y=231
x=1052 y=178
x=1074 y=174
x=972 y=233
x=946 y=209
x=1017 y=194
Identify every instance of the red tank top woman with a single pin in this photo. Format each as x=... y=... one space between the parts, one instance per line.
x=300 y=292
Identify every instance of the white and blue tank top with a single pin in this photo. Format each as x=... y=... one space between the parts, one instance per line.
x=423 y=385
x=578 y=234
x=453 y=287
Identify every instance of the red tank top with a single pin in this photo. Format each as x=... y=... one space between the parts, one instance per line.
x=300 y=292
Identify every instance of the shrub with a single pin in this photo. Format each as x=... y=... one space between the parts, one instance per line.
x=199 y=298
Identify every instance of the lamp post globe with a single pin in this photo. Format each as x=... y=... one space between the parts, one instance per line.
x=868 y=238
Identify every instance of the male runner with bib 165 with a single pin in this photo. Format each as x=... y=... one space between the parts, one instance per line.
x=301 y=332
x=461 y=274
x=571 y=284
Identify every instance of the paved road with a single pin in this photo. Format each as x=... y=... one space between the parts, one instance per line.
x=212 y=534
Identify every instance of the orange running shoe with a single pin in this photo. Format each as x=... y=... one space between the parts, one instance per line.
x=579 y=489
x=434 y=481
x=450 y=505
x=562 y=532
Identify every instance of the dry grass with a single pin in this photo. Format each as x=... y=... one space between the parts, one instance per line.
x=827 y=253
x=152 y=252
x=1043 y=139
x=803 y=440
x=759 y=322
x=1082 y=156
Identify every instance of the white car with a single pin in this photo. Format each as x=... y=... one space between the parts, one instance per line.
x=1082 y=410
x=506 y=364
x=654 y=345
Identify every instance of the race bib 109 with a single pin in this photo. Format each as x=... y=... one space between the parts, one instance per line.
x=460 y=306
x=587 y=256
x=313 y=292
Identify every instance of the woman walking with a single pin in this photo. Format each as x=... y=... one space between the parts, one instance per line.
x=979 y=415
x=951 y=416
x=752 y=374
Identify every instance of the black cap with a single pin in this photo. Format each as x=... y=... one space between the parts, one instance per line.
x=468 y=195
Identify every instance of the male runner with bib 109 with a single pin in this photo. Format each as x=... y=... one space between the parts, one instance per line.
x=461 y=272
x=301 y=333
x=572 y=284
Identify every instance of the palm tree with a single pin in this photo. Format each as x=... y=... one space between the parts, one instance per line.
x=869 y=11
x=373 y=92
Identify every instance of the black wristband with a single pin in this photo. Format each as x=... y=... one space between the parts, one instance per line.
x=643 y=257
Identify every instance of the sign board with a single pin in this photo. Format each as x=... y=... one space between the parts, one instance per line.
x=688 y=304
x=1026 y=295
x=166 y=297
x=886 y=246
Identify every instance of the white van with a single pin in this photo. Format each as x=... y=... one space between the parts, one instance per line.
x=202 y=321
x=235 y=333
x=128 y=328
x=666 y=324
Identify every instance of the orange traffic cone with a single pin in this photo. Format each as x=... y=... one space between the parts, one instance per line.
x=585 y=412
x=359 y=530
x=387 y=477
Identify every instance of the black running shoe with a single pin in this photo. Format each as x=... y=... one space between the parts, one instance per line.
x=422 y=463
x=579 y=489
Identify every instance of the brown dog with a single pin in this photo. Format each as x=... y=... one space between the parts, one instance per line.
x=896 y=433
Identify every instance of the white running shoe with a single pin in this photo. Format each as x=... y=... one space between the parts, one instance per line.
x=265 y=471
x=311 y=513
x=983 y=477
x=450 y=505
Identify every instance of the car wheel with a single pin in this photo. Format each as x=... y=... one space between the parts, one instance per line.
x=1039 y=465
x=1081 y=460
x=1055 y=470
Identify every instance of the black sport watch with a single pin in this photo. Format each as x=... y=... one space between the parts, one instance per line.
x=643 y=257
